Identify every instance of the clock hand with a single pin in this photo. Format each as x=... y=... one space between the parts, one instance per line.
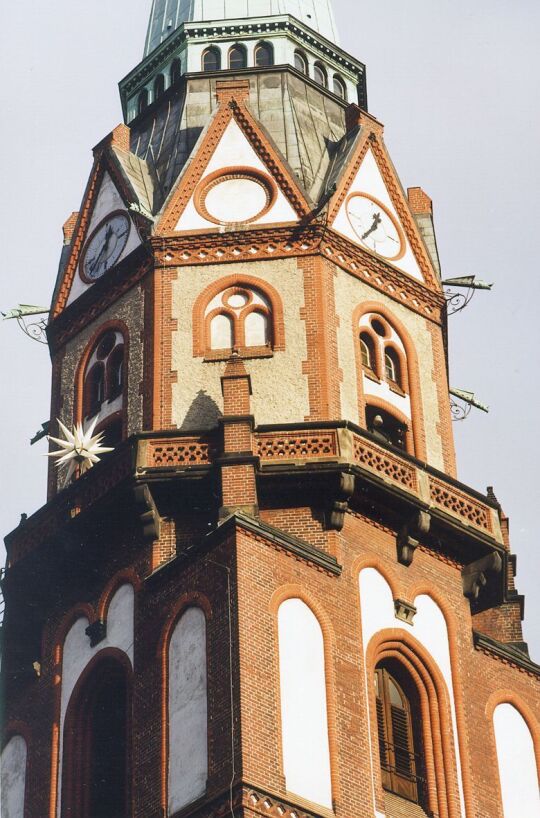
x=377 y=219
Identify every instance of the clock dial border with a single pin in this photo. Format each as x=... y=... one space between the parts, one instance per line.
x=109 y=217
x=402 y=239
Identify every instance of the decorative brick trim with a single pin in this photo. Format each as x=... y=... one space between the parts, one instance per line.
x=506 y=654
x=510 y=697
x=440 y=379
x=416 y=437
x=456 y=502
x=436 y=715
x=189 y=451
x=164 y=326
x=126 y=577
x=366 y=454
x=294 y=446
x=232 y=105
x=322 y=363
x=201 y=341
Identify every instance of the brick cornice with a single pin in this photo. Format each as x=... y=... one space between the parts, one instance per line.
x=505 y=653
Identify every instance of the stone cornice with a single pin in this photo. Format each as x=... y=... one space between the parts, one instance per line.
x=505 y=653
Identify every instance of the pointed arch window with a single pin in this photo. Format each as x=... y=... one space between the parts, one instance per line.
x=237 y=57
x=211 y=59
x=239 y=318
x=159 y=86
x=368 y=352
x=319 y=74
x=97 y=735
x=175 y=71
x=392 y=367
x=104 y=385
x=339 y=88
x=142 y=103
x=399 y=734
x=264 y=55
x=300 y=62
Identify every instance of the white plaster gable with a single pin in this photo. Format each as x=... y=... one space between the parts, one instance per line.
x=234 y=151
x=78 y=653
x=369 y=180
x=13 y=778
x=108 y=200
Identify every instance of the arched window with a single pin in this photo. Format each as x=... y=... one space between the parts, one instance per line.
x=339 y=87
x=97 y=757
x=367 y=352
x=320 y=75
x=392 y=366
x=142 y=104
x=399 y=734
x=239 y=318
x=175 y=71
x=237 y=57
x=159 y=86
x=300 y=62
x=386 y=427
x=211 y=59
x=104 y=386
x=264 y=55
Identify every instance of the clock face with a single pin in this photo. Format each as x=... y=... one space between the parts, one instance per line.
x=105 y=246
x=374 y=226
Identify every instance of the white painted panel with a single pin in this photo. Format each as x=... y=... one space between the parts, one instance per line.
x=517 y=764
x=429 y=628
x=78 y=653
x=221 y=332
x=13 y=778
x=304 y=719
x=234 y=151
x=188 y=721
x=369 y=180
x=256 y=329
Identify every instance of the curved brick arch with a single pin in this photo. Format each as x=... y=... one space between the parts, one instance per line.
x=504 y=696
x=200 y=335
x=418 y=435
x=280 y=595
x=125 y=577
x=441 y=767
x=78 y=400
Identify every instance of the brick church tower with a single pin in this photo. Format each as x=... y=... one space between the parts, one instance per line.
x=273 y=598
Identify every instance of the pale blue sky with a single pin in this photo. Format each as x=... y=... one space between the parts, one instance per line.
x=456 y=85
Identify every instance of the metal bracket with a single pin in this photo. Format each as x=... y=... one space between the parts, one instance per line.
x=410 y=534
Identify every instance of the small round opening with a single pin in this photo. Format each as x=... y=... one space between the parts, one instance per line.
x=378 y=327
x=237 y=300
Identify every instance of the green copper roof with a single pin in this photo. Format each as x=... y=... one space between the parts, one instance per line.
x=168 y=15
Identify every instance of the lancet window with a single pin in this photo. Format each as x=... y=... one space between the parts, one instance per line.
x=211 y=60
x=264 y=55
x=104 y=382
x=239 y=318
x=237 y=57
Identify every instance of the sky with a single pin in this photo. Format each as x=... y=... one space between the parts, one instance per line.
x=455 y=84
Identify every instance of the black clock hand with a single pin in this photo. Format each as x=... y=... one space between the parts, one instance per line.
x=377 y=219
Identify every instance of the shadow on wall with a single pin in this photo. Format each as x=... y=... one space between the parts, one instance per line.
x=203 y=413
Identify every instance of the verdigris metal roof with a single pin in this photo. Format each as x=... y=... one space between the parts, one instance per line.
x=305 y=124
x=168 y=15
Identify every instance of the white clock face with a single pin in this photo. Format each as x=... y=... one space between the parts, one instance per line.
x=105 y=246
x=374 y=227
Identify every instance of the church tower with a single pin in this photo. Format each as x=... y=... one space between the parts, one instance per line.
x=272 y=597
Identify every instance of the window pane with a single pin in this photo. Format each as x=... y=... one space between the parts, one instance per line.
x=211 y=60
x=263 y=55
x=237 y=58
x=339 y=88
x=221 y=332
x=300 y=62
x=256 y=329
x=319 y=75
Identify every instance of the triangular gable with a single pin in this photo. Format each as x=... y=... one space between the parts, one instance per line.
x=370 y=208
x=110 y=189
x=236 y=175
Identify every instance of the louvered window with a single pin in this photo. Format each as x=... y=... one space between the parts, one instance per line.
x=401 y=762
